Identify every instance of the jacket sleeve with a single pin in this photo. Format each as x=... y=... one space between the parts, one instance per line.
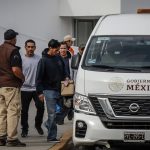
x=65 y=70
x=40 y=77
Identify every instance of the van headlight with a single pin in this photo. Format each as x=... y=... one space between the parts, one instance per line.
x=83 y=104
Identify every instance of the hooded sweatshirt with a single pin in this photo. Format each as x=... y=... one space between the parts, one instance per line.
x=50 y=72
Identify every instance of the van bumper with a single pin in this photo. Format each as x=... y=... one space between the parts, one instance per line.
x=97 y=133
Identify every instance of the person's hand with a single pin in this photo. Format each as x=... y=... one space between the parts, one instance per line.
x=66 y=82
x=41 y=97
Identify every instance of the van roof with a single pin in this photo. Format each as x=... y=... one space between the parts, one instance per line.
x=123 y=24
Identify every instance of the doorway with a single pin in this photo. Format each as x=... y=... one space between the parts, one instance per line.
x=83 y=29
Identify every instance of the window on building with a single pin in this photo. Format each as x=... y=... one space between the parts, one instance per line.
x=83 y=29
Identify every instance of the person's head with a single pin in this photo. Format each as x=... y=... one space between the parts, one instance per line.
x=63 y=49
x=68 y=39
x=10 y=36
x=81 y=48
x=30 y=47
x=53 y=46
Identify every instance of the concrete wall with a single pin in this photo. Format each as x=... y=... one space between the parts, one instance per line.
x=36 y=19
x=88 y=7
x=131 y=6
x=42 y=20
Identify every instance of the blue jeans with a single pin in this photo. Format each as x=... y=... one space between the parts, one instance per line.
x=51 y=98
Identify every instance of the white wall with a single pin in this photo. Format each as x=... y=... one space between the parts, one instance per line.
x=36 y=19
x=131 y=6
x=42 y=20
x=89 y=7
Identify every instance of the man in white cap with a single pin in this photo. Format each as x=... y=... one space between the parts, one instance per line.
x=68 y=39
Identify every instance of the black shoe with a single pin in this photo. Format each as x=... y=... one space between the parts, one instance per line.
x=39 y=130
x=24 y=133
x=53 y=140
x=2 y=142
x=60 y=122
x=15 y=143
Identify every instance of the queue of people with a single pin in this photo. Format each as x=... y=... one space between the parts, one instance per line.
x=33 y=77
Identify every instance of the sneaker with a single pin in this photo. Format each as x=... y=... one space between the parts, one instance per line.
x=39 y=130
x=24 y=133
x=53 y=140
x=2 y=142
x=15 y=143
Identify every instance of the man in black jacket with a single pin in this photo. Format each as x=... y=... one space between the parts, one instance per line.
x=50 y=72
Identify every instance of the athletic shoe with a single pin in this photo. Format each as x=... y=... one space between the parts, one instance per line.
x=2 y=142
x=53 y=140
x=15 y=143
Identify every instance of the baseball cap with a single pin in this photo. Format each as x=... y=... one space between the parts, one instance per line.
x=69 y=38
x=10 y=34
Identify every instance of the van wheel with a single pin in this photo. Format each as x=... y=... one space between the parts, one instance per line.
x=102 y=148
x=85 y=147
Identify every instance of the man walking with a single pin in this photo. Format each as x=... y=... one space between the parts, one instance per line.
x=28 y=90
x=50 y=72
x=64 y=112
x=11 y=79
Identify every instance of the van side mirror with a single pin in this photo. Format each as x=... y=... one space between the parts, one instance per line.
x=75 y=61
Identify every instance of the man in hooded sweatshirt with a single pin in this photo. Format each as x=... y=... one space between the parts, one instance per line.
x=50 y=72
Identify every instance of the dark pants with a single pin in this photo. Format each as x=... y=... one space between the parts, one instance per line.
x=26 y=98
x=64 y=110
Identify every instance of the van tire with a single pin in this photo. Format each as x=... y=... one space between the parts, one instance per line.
x=85 y=147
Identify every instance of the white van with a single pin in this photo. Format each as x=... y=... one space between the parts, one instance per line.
x=112 y=95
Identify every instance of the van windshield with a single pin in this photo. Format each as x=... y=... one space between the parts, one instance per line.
x=129 y=53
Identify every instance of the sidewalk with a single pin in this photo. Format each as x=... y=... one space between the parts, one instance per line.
x=36 y=142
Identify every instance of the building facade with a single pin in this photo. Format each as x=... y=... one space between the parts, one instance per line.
x=42 y=20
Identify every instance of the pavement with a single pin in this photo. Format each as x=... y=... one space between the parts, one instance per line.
x=35 y=141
